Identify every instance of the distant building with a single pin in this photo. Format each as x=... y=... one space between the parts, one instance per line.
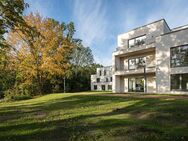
x=152 y=58
x=102 y=80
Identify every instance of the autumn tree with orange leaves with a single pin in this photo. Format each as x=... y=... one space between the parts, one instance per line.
x=37 y=58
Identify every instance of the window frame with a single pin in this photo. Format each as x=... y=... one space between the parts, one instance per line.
x=134 y=38
x=136 y=58
x=104 y=72
x=110 y=87
x=100 y=73
x=99 y=80
x=129 y=64
x=177 y=47
x=180 y=77
x=95 y=87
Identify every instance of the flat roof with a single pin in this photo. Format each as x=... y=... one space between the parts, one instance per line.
x=147 y=25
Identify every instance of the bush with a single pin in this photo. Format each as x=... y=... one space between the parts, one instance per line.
x=20 y=93
x=21 y=97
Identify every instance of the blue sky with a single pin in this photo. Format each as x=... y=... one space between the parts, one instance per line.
x=98 y=22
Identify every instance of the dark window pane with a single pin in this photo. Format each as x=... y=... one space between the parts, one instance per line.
x=184 y=82
x=100 y=73
x=175 y=82
x=95 y=87
x=98 y=79
x=103 y=87
x=109 y=87
x=132 y=63
x=179 y=82
x=136 y=62
x=179 y=56
x=136 y=41
x=104 y=72
x=136 y=84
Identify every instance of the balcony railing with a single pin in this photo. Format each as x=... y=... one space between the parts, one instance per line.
x=123 y=70
x=137 y=45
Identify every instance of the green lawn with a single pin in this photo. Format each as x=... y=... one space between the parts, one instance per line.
x=96 y=116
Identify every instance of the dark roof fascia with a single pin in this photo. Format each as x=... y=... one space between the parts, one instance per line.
x=167 y=24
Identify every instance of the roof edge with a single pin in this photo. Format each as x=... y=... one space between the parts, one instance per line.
x=147 y=25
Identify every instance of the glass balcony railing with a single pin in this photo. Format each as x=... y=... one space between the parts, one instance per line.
x=137 y=45
x=122 y=68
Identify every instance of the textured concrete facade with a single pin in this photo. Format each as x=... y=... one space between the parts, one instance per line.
x=158 y=39
x=102 y=80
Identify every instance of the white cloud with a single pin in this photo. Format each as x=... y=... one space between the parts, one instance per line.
x=89 y=17
x=174 y=11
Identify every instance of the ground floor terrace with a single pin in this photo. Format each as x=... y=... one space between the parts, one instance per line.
x=151 y=83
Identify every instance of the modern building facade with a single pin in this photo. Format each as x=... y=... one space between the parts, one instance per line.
x=153 y=59
x=102 y=80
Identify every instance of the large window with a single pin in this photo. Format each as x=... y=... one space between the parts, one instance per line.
x=136 y=84
x=179 y=82
x=134 y=63
x=137 y=41
x=95 y=87
x=98 y=79
x=100 y=73
x=109 y=87
x=179 y=56
x=104 y=72
x=103 y=87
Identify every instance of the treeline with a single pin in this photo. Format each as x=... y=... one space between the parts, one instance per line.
x=40 y=55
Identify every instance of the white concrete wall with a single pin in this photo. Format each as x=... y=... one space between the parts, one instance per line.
x=163 y=45
x=151 y=30
x=116 y=88
x=151 y=84
x=126 y=88
x=161 y=39
x=102 y=78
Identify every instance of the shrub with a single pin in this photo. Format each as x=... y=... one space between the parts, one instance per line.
x=12 y=94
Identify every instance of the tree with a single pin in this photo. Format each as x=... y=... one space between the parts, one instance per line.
x=11 y=12
x=82 y=66
x=82 y=56
x=38 y=58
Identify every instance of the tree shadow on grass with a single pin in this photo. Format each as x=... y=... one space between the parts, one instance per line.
x=67 y=103
x=149 y=119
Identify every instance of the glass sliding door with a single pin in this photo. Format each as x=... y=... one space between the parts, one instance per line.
x=136 y=84
x=103 y=87
x=179 y=82
x=132 y=85
x=139 y=84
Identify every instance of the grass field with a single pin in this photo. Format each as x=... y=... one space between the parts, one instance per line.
x=93 y=116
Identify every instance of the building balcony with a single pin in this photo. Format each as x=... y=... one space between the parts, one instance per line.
x=122 y=71
x=125 y=51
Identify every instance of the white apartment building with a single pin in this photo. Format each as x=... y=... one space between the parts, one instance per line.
x=102 y=80
x=152 y=58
